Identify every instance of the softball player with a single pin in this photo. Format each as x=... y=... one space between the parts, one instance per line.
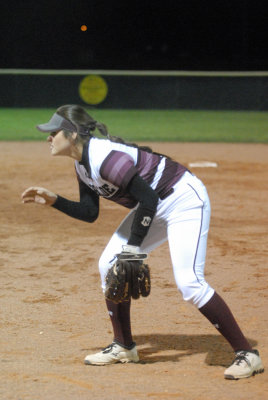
x=167 y=202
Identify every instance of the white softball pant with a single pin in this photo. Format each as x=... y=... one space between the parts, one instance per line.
x=182 y=219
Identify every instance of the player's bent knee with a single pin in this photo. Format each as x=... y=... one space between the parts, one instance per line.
x=196 y=293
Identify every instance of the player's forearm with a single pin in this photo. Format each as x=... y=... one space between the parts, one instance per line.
x=84 y=211
x=148 y=200
x=141 y=224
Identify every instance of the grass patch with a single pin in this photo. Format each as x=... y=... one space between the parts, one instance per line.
x=149 y=125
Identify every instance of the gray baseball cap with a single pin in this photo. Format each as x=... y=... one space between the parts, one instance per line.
x=57 y=123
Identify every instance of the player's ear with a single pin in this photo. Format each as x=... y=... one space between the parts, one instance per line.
x=74 y=136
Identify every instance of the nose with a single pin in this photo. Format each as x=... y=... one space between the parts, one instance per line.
x=49 y=138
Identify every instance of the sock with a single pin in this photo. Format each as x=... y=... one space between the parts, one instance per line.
x=120 y=318
x=219 y=314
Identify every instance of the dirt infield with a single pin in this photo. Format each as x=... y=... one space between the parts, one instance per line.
x=52 y=308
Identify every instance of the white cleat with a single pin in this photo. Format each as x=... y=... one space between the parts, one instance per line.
x=112 y=354
x=245 y=364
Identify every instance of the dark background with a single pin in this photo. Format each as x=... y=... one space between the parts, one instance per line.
x=157 y=35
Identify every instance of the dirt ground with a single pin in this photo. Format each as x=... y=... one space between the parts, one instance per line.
x=52 y=308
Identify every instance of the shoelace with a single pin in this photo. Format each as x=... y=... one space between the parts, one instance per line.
x=108 y=348
x=241 y=357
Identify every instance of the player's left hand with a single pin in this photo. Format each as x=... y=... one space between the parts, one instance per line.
x=126 y=279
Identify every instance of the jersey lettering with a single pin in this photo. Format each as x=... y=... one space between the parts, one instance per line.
x=105 y=190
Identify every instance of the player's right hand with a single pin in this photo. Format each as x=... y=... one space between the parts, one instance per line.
x=38 y=195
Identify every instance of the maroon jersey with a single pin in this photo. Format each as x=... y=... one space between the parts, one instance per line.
x=107 y=167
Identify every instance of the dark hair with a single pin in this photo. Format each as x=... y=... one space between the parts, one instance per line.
x=85 y=125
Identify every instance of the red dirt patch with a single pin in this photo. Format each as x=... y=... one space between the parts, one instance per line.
x=52 y=308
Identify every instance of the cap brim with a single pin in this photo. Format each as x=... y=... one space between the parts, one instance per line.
x=47 y=128
x=56 y=123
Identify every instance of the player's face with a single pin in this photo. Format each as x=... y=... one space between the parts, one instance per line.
x=59 y=144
